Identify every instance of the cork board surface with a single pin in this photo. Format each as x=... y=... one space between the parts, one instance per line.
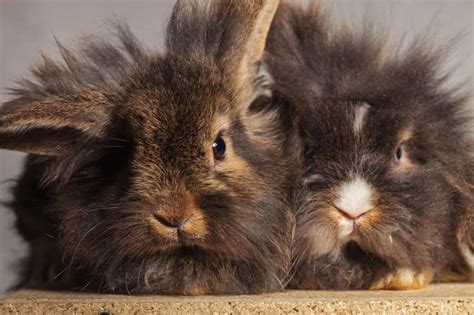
x=440 y=298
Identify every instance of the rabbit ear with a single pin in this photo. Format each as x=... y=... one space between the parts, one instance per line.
x=246 y=49
x=55 y=126
x=231 y=32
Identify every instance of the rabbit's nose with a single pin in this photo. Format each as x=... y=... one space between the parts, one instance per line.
x=167 y=222
x=173 y=222
x=178 y=218
x=353 y=215
x=354 y=198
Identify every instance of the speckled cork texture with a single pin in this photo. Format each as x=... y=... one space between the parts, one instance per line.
x=440 y=299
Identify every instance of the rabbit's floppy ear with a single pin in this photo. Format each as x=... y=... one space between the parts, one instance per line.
x=56 y=125
x=231 y=32
x=66 y=107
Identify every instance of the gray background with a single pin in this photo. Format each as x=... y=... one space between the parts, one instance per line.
x=27 y=28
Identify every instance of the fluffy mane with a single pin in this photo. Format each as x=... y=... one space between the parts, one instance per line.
x=95 y=64
x=355 y=61
x=361 y=63
x=316 y=60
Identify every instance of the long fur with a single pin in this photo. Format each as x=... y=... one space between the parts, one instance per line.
x=101 y=221
x=96 y=64
x=327 y=70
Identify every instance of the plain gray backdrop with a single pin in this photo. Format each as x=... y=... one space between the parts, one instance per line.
x=27 y=28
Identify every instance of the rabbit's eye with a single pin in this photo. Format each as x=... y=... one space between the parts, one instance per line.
x=399 y=154
x=218 y=148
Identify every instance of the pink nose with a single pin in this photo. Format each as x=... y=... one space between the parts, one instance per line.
x=354 y=198
x=352 y=213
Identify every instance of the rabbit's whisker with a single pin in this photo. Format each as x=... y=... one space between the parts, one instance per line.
x=80 y=241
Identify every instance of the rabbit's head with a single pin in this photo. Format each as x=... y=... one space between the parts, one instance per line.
x=389 y=164
x=166 y=180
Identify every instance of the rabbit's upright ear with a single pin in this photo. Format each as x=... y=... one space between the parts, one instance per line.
x=232 y=32
x=56 y=125
x=246 y=45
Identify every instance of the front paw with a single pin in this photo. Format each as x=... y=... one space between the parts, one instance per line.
x=403 y=279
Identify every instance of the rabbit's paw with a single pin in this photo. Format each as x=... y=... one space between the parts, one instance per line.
x=403 y=279
x=468 y=254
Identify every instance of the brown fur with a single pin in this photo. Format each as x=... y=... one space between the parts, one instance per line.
x=122 y=154
x=328 y=72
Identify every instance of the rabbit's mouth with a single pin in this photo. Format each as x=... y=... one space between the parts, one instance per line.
x=349 y=226
x=356 y=228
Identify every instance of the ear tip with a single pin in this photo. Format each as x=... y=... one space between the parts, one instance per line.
x=270 y=4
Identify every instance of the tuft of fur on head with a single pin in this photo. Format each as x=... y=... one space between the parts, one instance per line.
x=354 y=61
x=97 y=65
x=327 y=69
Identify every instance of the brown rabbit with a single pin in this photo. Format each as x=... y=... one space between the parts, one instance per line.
x=157 y=173
x=389 y=175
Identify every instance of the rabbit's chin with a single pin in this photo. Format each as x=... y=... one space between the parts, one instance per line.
x=190 y=270
x=198 y=248
x=370 y=232
x=377 y=236
x=358 y=229
x=333 y=231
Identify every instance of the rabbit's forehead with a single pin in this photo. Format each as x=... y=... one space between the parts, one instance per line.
x=171 y=129
x=360 y=117
x=376 y=124
x=163 y=111
x=354 y=132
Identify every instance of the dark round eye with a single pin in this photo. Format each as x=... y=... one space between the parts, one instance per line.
x=398 y=154
x=218 y=148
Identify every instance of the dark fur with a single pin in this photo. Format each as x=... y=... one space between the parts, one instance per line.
x=326 y=71
x=118 y=135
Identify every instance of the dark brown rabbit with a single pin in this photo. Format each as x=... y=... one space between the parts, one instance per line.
x=387 y=194
x=157 y=173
